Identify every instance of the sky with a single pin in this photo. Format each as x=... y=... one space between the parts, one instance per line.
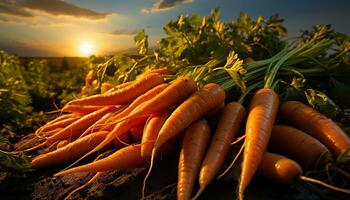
x=83 y=27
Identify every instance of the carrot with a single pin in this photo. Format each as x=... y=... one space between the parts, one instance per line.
x=207 y=98
x=98 y=124
x=152 y=129
x=124 y=159
x=70 y=152
x=59 y=124
x=62 y=143
x=139 y=100
x=317 y=125
x=106 y=86
x=124 y=95
x=192 y=152
x=162 y=70
x=120 y=86
x=175 y=94
x=261 y=117
x=229 y=124
x=286 y=171
x=81 y=109
x=297 y=145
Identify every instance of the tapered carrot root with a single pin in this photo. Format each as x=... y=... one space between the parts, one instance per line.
x=173 y=95
x=60 y=124
x=151 y=132
x=286 y=171
x=229 y=124
x=97 y=125
x=81 y=109
x=297 y=145
x=259 y=124
x=62 y=143
x=70 y=152
x=124 y=159
x=204 y=100
x=192 y=152
x=317 y=125
x=124 y=95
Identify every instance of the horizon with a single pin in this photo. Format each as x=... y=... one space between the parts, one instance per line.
x=77 y=28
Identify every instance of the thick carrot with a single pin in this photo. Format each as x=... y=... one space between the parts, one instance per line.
x=207 y=98
x=124 y=159
x=229 y=124
x=70 y=152
x=139 y=100
x=286 y=171
x=124 y=95
x=261 y=117
x=151 y=132
x=174 y=94
x=297 y=145
x=192 y=152
x=81 y=109
x=317 y=125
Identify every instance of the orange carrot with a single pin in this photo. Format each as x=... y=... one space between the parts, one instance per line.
x=317 y=125
x=139 y=100
x=59 y=124
x=124 y=95
x=297 y=145
x=124 y=159
x=98 y=124
x=192 y=152
x=80 y=109
x=286 y=171
x=174 y=94
x=207 y=98
x=261 y=118
x=70 y=152
x=106 y=87
x=229 y=124
x=152 y=129
x=62 y=143
x=134 y=135
x=120 y=86
x=162 y=70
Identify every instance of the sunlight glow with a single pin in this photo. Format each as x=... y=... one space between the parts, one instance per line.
x=87 y=48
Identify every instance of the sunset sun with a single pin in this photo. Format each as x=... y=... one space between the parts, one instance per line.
x=87 y=48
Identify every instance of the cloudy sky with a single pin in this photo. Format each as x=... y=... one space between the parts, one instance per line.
x=79 y=27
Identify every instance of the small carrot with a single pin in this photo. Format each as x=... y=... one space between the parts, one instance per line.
x=52 y=126
x=162 y=70
x=62 y=143
x=70 y=152
x=192 y=152
x=106 y=86
x=286 y=171
x=261 y=117
x=80 y=109
x=124 y=95
x=317 y=125
x=229 y=124
x=124 y=159
x=297 y=145
x=174 y=94
x=152 y=129
x=120 y=86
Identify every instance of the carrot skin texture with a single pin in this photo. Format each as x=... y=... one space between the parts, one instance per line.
x=317 y=125
x=80 y=109
x=198 y=104
x=70 y=152
x=279 y=168
x=124 y=95
x=297 y=145
x=75 y=129
x=261 y=117
x=192 y=152
x=151 y=133
x=229 y=124
x=124 y=159
x=174 y=94
x=62 y=143
x=53 y=126
x=141 y=99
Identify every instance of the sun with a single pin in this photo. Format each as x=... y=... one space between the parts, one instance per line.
x=87 y=48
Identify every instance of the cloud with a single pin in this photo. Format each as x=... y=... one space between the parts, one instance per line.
x=23 y=8
x=124 y=32
x=165 y=5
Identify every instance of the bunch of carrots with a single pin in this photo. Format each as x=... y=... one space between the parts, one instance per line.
x=148 y=118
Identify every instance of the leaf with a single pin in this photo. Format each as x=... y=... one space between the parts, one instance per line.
x=321 y=102
x=141 y=40
x=235 y=69
x=9 y=161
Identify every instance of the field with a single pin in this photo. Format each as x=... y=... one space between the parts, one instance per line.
x=246 y=61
